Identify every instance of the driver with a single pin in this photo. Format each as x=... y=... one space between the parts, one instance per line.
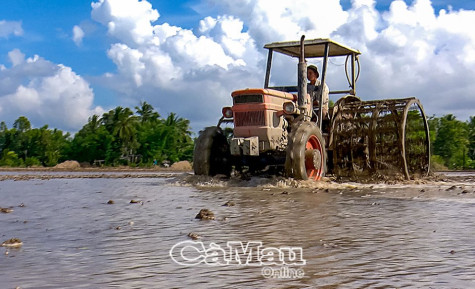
x=312 y=76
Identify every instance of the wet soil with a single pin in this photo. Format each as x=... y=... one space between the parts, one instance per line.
x=437 y=185
x=116 y=228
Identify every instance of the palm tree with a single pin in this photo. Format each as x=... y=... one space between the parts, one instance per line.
x=94 y=122
x=146 y=112
x=176 y=140
x=181 y=125
x=121 y=123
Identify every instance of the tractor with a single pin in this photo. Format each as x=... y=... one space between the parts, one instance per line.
x=283 y=128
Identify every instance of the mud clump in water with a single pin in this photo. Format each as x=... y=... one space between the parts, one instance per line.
x=13 y=243
x=194 y=236
x=205 y=214
x=6 y=210
x=229 y=204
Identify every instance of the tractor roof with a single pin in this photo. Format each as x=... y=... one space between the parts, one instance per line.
x=313 y=48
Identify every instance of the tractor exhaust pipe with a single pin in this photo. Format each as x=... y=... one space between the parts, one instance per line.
x=302 y=78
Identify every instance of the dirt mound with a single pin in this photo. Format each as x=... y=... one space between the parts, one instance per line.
x=181 y=166
x=68 y=165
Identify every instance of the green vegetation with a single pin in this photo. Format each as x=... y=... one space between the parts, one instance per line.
x=119 y=137
x=122 y=137
x=453 y=142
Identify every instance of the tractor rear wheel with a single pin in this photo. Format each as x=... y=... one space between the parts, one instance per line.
x=211 y=155
x=306 y=156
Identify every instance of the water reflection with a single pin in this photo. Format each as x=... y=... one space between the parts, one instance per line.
x=73 y=238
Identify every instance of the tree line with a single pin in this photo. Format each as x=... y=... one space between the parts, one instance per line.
x=452 y=142
x=124 y=137
x=118 y=137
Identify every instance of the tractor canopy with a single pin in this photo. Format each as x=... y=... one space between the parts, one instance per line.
x=323 y=48
x=313 y=48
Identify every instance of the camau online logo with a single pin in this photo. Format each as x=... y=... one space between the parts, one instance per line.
x=237 y=253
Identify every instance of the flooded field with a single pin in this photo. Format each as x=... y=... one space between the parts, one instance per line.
x=134 y=231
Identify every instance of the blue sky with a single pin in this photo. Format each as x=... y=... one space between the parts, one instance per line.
x=188 y=56
x=45 y=20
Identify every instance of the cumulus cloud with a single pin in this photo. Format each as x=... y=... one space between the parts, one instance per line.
x=16 y=57
x=78 y=35
x=408 y=50
x=174 y=68
x=412 y=50
x=8 y=28
x=271 y=21
x=45 y=92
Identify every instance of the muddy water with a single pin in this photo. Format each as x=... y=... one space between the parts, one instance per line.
x=351 y=235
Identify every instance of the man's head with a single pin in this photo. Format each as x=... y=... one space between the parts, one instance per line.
x=314 y=69
x=312 y=74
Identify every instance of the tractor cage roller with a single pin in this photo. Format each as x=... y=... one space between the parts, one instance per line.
x=389 y=137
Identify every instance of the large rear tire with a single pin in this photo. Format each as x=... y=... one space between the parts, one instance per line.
x=306 y=156
x=212 y=155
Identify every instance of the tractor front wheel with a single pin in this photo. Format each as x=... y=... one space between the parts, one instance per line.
x=211 y=155
x=306 y=156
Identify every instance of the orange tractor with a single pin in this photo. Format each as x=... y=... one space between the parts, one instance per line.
x=279 y=129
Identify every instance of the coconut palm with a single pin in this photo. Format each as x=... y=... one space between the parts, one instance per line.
x=121 y=123
x=146 y=112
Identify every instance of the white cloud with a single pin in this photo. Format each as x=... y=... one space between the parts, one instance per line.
x=45 y=92
x=227 y=31
x=127 y=20
x=409 y=50
x=412 y=51
x=78 y=35
x=171 y=67
x=16 y=57
x=8 y=28
x=136 y=34
x=270 y=21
